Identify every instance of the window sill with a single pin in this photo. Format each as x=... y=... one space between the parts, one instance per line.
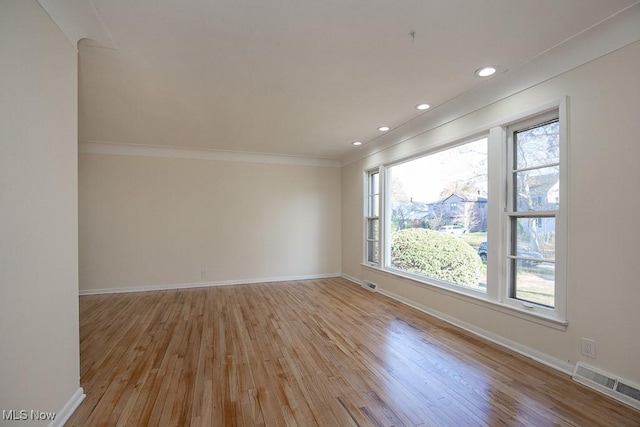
x=476 y=298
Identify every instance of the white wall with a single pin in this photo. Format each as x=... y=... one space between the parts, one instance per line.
x=603 y=202
x=152 y=221
x=39 y=356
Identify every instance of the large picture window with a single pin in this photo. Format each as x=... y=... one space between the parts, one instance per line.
x=483 y=217
x=438 y=207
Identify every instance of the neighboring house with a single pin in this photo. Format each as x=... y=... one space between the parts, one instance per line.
x=540 y=193
x=410 y=214
x=466 y=210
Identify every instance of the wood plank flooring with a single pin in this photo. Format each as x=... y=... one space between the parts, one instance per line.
x=317 y=352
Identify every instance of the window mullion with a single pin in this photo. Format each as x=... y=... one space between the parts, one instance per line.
x=497 y=190
x=385 y=215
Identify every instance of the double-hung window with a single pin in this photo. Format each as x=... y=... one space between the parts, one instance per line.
x=535 y=230
x=484 y=217
x=373 y=218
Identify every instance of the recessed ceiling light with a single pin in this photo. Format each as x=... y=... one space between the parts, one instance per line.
x=486 y=71
x=423 y=106
x=356 y=143
x=384 y=128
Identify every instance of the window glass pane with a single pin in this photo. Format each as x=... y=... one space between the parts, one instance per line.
x=375 y=184
x=539 y=145
x=535 y=238
x=373 y=229
x=534 y=282
x=439 y=215
x=538 y=189
x=373 y=253
x=374 y=205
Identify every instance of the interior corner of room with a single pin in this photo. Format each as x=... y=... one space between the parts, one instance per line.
x=124 y=173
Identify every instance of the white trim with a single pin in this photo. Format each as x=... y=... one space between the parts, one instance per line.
x=546 y=113
x=119 y=149
x=368 y=207
x=79 y=20
x=529 y=352
x=68 y=409
x=495 y=297
x=168 y=287
x=351 y=279
x=474 y=297
x=611 y=34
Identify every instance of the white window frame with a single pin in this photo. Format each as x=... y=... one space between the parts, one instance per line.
x=370 y=196
x=558 y=312
x=497 y=291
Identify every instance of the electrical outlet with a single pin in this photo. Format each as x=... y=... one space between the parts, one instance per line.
x=203 y=273
x=588 y=348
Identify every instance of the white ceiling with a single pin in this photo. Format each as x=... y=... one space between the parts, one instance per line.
x=300 y=77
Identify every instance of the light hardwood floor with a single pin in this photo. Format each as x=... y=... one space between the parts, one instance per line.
x=318 y=352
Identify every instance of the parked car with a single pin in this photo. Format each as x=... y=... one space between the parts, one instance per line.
x=453 y=229
x=522 y=251
x=482 y=251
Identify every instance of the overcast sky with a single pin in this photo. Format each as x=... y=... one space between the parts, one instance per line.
x=423 y=179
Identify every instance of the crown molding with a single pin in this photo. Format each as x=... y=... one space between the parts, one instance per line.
x=119 y=149
x=609 y=35
x=79 y=20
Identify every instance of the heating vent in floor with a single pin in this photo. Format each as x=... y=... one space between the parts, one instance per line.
x=368 y=285
x=607 y=384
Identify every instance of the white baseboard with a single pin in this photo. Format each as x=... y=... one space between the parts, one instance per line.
x=529 y=352
x=351 y=279
x=168 y=287
x=68 y=409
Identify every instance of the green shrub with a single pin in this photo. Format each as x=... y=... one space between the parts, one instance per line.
x=434 y=254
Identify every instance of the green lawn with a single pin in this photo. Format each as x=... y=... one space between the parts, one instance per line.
x=536 y=286
x=474 y=239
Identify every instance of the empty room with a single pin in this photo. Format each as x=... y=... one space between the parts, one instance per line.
x=337 y=213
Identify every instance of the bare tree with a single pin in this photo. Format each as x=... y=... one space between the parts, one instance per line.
x=473 y=219
x=537 y=156
x=405 y=212
x=437 y=218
